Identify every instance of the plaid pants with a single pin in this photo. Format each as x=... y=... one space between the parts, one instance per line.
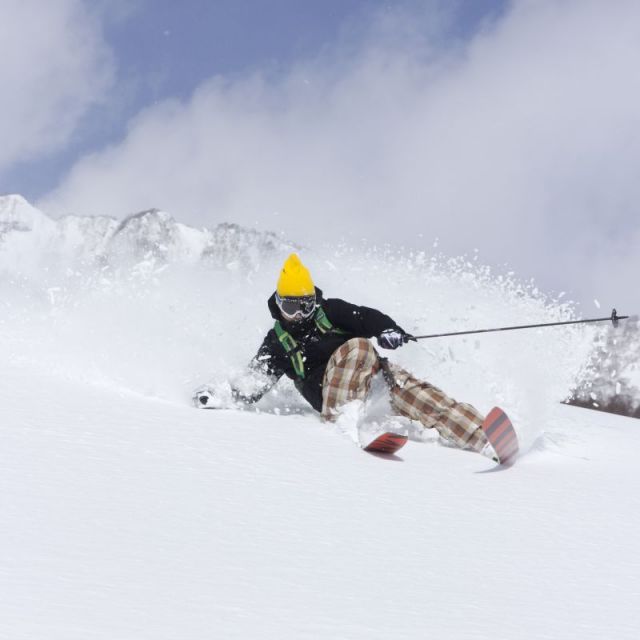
x=348 y=377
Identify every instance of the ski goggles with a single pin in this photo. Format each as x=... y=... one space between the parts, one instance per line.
x=297 y=307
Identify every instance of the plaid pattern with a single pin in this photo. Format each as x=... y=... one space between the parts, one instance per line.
x=456 y=422
x=348 y=377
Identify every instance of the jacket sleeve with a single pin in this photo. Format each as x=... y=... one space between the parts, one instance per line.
x=363 y=322
x=262 y=373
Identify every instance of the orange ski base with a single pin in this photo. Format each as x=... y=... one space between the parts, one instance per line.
x=502 y=436
x=387 y=443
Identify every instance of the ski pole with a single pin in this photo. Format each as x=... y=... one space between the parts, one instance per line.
x=614 y=318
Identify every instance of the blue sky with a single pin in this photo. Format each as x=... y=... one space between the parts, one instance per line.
x=165 y=49
x=503 y=129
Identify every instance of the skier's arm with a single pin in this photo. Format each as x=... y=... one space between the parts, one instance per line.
x=364 y=322
x=259 y=377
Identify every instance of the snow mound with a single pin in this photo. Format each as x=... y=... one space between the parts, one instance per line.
x=150 y=305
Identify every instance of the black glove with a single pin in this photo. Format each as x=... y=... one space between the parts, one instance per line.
x=203 y=398
x=393 y=338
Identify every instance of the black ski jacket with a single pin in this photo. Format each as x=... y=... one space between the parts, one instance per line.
x=316 y=347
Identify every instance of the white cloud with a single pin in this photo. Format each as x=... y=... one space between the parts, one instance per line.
x=522 y=142
x=54 y=65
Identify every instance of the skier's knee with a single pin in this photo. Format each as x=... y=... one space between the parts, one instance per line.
x=362 y=352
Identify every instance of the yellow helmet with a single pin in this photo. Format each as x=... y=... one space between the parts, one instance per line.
x=295 y=279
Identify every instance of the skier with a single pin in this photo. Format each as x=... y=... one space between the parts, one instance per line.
x=323 y=346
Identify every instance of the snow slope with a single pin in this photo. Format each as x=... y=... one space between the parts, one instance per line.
x=129 y=517
x=125 y=513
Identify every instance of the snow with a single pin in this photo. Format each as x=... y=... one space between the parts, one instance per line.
x=126 y=513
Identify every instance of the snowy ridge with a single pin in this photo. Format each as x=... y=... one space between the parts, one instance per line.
x=30 y=240
x=611 y=379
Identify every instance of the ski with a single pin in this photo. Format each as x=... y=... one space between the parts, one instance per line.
x=387 y=443
x=501 y=435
